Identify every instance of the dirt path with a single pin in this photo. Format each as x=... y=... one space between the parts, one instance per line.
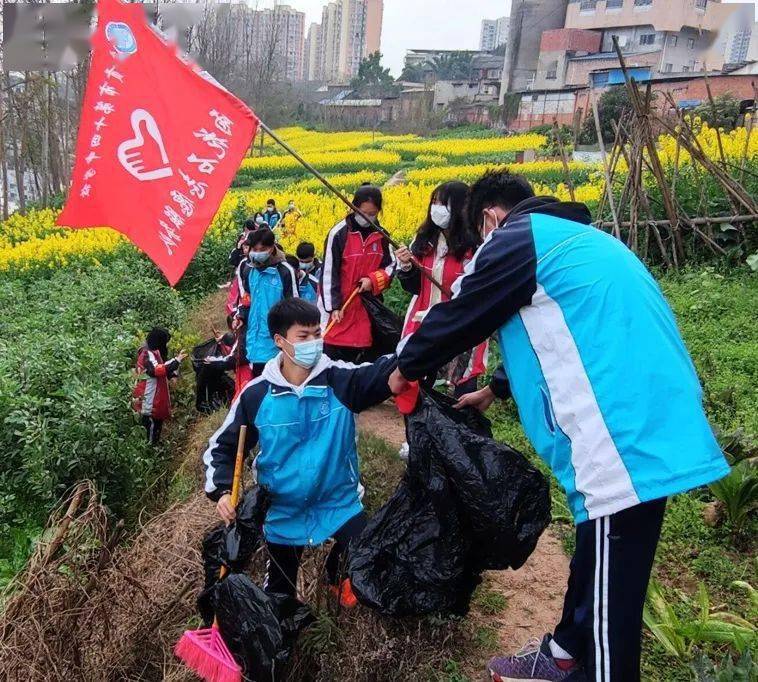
x=534 y=593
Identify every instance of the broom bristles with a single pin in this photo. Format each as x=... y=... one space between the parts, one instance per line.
x=204 y=652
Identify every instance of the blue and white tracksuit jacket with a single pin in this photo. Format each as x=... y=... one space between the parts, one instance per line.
x=308 y=282
x=605 y=388
x=308 y=456
x=266 y=287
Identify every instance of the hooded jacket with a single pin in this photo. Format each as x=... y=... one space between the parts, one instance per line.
x=307 y=436
x=151 y=397
x=605 y=388
x=262 y=289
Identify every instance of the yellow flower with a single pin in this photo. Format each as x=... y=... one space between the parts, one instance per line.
x=458 y=148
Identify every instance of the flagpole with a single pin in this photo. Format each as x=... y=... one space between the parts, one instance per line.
x=351 y=206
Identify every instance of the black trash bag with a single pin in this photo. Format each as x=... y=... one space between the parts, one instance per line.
x=386 y=327
x=203 y=350
x=466 y=504
x=233 y=545
x=259 y=628
x=214 y=388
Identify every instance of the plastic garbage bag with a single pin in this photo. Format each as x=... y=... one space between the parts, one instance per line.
x=233 y=545
x=213 y=386
x=386 y=327
x=466 y=504
x=259 y=628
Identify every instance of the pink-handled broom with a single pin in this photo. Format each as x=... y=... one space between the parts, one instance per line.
x=204 y=651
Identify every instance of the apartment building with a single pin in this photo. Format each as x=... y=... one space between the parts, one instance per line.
x=494 y=33
x=350 y=30
x=668 y=36
x=280 y=32
x=311 y=53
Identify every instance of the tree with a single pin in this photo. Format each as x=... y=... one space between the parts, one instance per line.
x=373 y=80
x=413 y=73
x=610 y=107
x=723 y=113
x=452 y=65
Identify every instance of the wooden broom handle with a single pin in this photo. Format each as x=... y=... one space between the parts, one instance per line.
x=342 y=309
x=237 y=480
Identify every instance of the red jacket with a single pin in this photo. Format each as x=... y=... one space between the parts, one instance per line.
x=351 y=253
x=444 y=267
x=151 y=394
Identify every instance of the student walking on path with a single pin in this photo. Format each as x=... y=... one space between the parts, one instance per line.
x=355 y=255
x=266 y=279
x=152 y=397
x=443 y=246
x=301 y=411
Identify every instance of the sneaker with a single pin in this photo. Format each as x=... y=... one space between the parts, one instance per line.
x=533 y=662
x=344 y=594
x=224 y=285
x=402 y=453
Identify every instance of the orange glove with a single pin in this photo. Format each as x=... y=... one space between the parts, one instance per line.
x=406 y=401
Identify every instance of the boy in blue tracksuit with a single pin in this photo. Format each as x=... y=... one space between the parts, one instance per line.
x=301 y=412
x=266 y=279
x=606 y=393
x=309 y=271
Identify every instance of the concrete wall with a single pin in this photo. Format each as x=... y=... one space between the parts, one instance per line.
x=664 y=15
x=567 y=106
x=529 y=18
x=578 y=70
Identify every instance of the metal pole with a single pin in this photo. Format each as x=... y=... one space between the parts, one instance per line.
x=350 y=204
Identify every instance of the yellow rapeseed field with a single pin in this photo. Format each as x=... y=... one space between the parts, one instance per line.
x=34 y=241
x=459 y=148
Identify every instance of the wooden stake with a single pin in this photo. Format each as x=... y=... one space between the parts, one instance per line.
x=569 y=182
x=608 y=186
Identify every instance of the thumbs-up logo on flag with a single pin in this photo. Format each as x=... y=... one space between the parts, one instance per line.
x=158 y=142
x=131 y=152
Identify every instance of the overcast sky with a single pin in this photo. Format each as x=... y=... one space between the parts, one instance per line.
x=439 y=24
x=430 y=24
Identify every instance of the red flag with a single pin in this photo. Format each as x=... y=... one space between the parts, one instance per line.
x=159 y=142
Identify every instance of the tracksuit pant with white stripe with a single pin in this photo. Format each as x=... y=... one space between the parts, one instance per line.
x=602 y=612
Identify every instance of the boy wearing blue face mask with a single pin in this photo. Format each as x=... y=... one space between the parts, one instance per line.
x=301 y=412
x=309 y=271
x=266 y=279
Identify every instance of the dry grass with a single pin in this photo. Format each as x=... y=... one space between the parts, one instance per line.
x=94 y=606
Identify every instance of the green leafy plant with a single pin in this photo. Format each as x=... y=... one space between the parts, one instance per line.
x=322 y=635
x=745 y=669
x=738 y=492
x=678 y=635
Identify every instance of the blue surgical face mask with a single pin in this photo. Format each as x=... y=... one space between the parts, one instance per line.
x=306 y=266
x=260 y=256
x=306 y=353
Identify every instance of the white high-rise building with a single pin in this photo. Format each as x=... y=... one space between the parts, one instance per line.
x=738 y=44
x=313 y=67
x=494 y=33
x=280 y=33
x=350 y=30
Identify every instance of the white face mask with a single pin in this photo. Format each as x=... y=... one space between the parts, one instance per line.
x=489 y=222
x=440 y=216
x=361 y=220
